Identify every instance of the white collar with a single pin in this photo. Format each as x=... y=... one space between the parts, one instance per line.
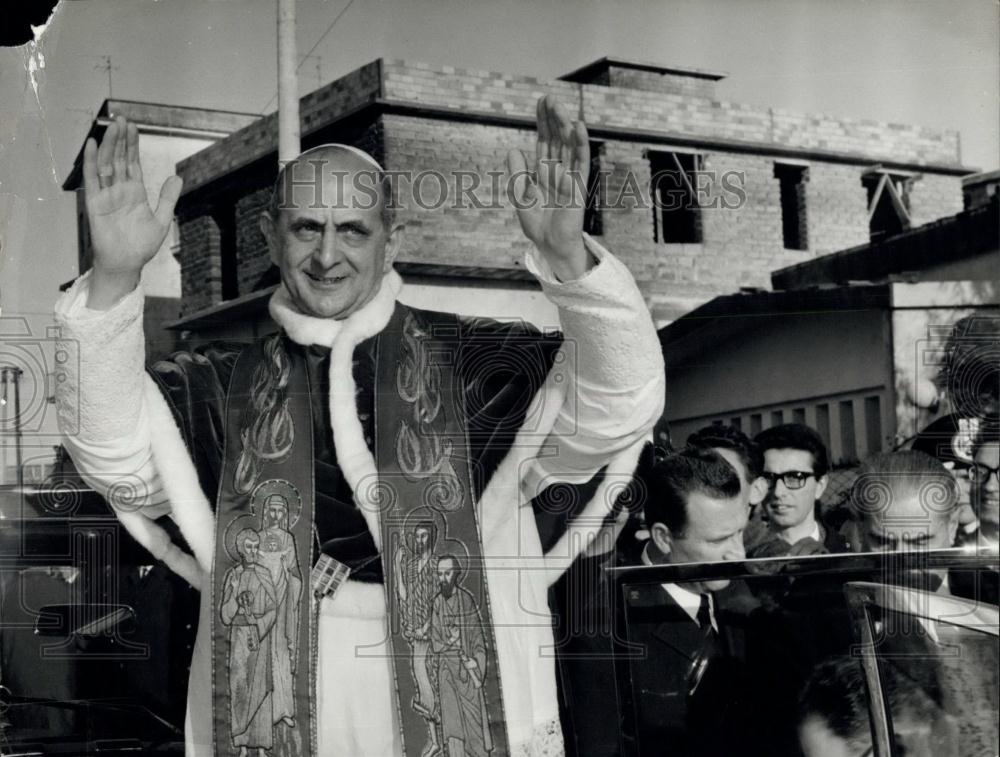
x=307 y=330
x=816 y=533
x=689 y=601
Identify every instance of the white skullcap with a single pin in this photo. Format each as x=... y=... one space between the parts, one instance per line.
x=277 y=191
x=348 y=148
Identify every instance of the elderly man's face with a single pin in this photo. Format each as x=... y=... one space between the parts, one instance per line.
x=909 y=521
x=329 y=239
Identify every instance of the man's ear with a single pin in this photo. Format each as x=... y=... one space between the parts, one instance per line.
x=953 y=523
x=661 y=537
x=821 y=484
x=758 y=490
x=268 y=227
x=393 y=245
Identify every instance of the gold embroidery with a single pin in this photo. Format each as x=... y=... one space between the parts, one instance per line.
x=423 y=452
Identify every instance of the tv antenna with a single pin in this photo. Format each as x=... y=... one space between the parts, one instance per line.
x=107 y=66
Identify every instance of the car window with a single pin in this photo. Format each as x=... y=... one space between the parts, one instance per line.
x=777 y=626
x=931 y=664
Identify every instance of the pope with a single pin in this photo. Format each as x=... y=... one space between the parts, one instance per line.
x=362 y=417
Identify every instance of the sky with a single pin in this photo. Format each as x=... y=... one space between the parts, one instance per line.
x=930 y=63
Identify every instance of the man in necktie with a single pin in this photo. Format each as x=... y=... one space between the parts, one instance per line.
x=686 y=685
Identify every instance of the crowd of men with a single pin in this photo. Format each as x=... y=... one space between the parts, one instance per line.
x=726 y=497
x=784 y=472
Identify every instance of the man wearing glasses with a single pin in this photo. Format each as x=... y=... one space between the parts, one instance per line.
x=984 y=474
x=795 y=468
x=984 y=477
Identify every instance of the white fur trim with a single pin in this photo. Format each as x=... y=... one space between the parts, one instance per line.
x=353 y=456
x=302 y=329
x=494 y=504
x=189 y=505
x=512 y=552
x=306 y=329
x=355 y=459
x=155 y=539
x=518 y=573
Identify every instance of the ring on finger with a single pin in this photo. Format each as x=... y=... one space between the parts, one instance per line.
x=104 y=178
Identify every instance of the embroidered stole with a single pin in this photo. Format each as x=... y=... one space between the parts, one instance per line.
x=443 y=647
x=444 y=652
x=262 y=687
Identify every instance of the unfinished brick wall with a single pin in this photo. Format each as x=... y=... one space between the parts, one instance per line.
x=837 y=208
x=934 y=196
x=651 y=81
x=741 y=223
x=201 y=267
x=628 y=220
x=251 y=248
x=739 y=245
x=455 y=231
x=489 y=91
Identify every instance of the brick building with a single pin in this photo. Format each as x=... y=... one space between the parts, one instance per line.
x=743 y=189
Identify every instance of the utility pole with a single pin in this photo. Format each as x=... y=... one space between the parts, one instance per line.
x=288 y=89
x=106 y=66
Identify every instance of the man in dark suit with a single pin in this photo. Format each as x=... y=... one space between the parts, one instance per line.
x=687 y=688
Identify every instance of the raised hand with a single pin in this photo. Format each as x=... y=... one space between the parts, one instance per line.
x=551 y=195
x=125 y=231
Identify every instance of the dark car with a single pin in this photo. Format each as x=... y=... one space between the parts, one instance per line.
x=95 y=635
x=878 y=654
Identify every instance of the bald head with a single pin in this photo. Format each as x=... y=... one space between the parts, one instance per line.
x=301 y=181
x=905 y=500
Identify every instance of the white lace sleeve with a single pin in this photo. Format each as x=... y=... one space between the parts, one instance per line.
x=100 y=405
x=614 y=369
